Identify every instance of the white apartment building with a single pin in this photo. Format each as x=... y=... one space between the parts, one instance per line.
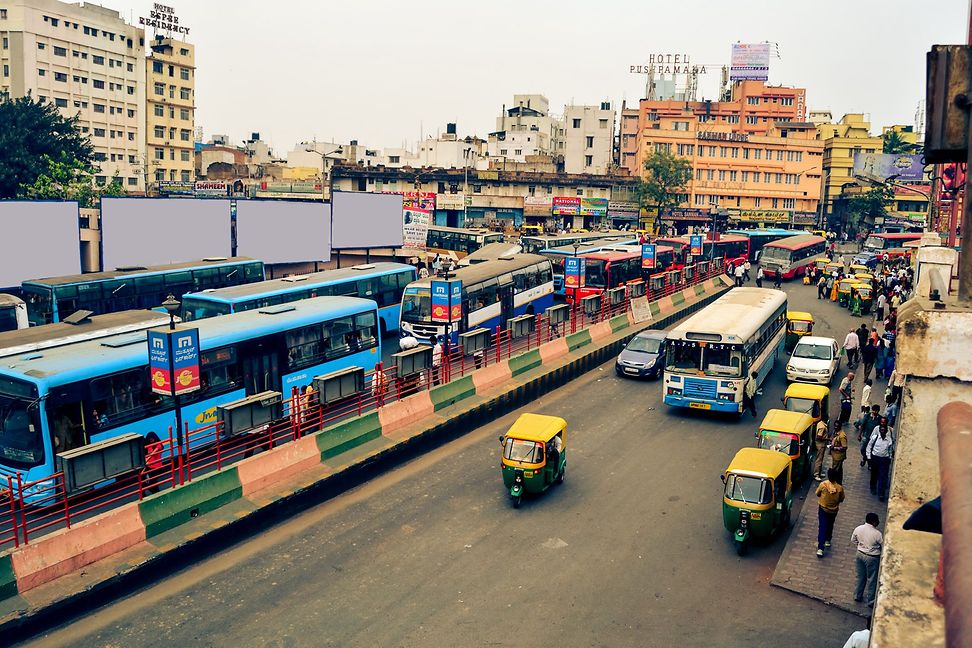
x=525 y=129
x=586 y=139
x=89 y=62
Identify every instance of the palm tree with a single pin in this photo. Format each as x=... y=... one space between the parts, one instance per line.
x=894 y=143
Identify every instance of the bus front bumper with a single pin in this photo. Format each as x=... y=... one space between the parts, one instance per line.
x=713 y=406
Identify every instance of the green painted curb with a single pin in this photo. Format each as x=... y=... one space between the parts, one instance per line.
x=618 y=323
x=678 y=298
x=8 y=579
x=654 y=308
x=344 y=436
x=446 y=395
x=699 y=289
x=578 y=339
x=525 y=361
x=171 y=508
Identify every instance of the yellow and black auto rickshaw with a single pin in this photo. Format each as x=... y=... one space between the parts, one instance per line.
x=860 y=298
x=808 y=399
x=531 y=230
x=834 y=266
x=798 y=324
x=757 y=495
x=821 y=263
x=856 y=268
x=534 y=455
x=844 y=291
x=792 y=434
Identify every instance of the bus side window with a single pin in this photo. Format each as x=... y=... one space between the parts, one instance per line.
x=364 y=326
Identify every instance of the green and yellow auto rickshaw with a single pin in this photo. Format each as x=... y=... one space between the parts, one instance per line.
x=834 y=266
x=792 y=434
x=861 y=298
x=534 y=455
x=805 y=398
x=856 y=268
x=844 y=291
x=821 y=263
x=798 y=324
x=757 y=495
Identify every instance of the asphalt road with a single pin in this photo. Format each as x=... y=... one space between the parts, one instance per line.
x=630 y=551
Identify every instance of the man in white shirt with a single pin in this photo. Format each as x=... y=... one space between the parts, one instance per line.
x=882 y=301
x=739 y=272
x=868 y=541
x=852 y=344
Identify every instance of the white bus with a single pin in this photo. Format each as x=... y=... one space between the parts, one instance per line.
x=492 y=293
x=13 y=313
x=710 y=354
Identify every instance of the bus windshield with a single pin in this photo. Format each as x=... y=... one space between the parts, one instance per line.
x=197 y=309
x=596 y=274
x=771 y=253
x=875 y=243
x=724 y=360
x=416 y=305
x=21 y=444
x=8 y=318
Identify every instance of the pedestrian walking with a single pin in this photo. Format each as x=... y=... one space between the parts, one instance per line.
x=880 y=450
x=868 y=420
x=852 y=346
x=821 y=287
x=879 y=305
x=891 y=411
x=896 y=382
x=759 y=277
x=838 y=450
x=866 y=393
x=436 y=359
x=746 y=268
x=821 y=437
x=868 y=540
x=778 y=279
x=880 y=358
x=738 y=273
x=437 y=266
x=829 y=496
x=749 y=394
x=153 y=462
x=846 y=391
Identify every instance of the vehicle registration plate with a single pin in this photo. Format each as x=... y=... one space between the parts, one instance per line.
x=703 y=406
x=631 y=371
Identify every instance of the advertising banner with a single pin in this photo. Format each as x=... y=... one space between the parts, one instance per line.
x=881 y=166
x=648 y=256
x=695 y=243
x=566 y=205
x=536 y=206
x=211 y=188
x=593 y=206
x=455 y=301
x=623 y=208
x=416 y=227
x=420 y=199
x=450 y=201
x=174 y=361
x=574 y=270
x=440 y=301
x=749 y=61
x=175 y=188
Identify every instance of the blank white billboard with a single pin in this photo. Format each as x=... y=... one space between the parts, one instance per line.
x=366 y=220
x=41 y=239
x=155 y=231
x=282 y=231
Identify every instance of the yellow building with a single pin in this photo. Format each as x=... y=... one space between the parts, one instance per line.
x=750 y=178
x=841 y=141
x=170 y=98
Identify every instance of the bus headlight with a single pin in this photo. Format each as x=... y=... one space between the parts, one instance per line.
x=673 y=391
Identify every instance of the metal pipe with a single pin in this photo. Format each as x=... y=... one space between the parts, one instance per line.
x=954 y=450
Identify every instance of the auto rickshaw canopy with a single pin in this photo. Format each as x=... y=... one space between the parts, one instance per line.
x=536 y=427
x=863 y=288
x=845 y=284
x=859 y=267
x=759 y=463
x=834 y=267
x=799 y=316
x=864 y=276
x=777 y=420
x=806 y=390
x=822 y=262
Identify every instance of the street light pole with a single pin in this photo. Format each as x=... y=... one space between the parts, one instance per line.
x=171 y=305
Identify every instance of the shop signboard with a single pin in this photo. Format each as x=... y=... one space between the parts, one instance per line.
x=566 y=205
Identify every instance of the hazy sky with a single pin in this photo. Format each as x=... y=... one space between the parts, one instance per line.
x=383 y=72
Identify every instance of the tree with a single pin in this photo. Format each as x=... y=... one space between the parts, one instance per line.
x=67 y=179
x=873 y=203
x=32 y=130
x=665 y=178
x=894 y=143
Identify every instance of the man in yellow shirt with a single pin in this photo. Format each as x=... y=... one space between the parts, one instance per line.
x=838 y=450
x=829 y=496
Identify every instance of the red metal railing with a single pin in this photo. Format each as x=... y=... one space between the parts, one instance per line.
x=30 y=509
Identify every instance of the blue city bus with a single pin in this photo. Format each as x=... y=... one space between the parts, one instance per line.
x=382 y=283
x=70 y=396
x=710 y=354
x=492 y=293
x=763 y=235
x=129 y=288
x=558 y=254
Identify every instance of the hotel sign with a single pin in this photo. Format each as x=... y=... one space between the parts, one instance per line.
x=722 y=137
x=667 y=64
x=163 y=17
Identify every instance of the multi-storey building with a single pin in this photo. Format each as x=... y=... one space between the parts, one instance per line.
x=586 y=138
x=89 y=62
x=752 y=109
x=170 y=83
x=841 y=141
x=524 y=129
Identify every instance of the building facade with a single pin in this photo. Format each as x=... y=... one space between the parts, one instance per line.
x=170 y=110
x=89 y=62
x=586 y=139
x=525 y=129
x=841 y=141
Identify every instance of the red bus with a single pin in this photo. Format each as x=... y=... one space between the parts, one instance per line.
x=614 y=268
x=887 y=246
x=733 y=248
x=792 y=256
